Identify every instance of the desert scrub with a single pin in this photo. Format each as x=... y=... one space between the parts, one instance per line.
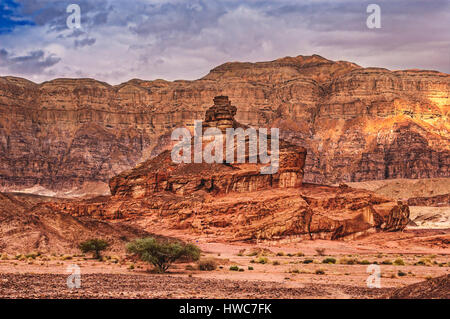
x=300 y=254
x=207 y=265
x=320 y=251
x=364 y=262
x=5 y=256
x=423 y=262
x=294 y=271
x=234 y=268
x=250 y=268
x=280 y=254
x=399 y=262
x=401 y=273
x=386 y=262
x=308 y=261
x=329 y=260
x=348 y=261
x=276 y=263
x=66 y=257
x=262 y=260
x=320 y=272
x=241 y=269
x=131 y=267
x=252 y=254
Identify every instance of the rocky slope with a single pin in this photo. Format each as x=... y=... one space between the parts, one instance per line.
x=356 y=123
x=26 y=226
x=235 y=201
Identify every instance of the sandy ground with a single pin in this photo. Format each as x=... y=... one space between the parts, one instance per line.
x=269 y=270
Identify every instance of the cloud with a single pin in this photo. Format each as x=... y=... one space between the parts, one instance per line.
x=31 y=63
x=176 y=39
x=84 y=42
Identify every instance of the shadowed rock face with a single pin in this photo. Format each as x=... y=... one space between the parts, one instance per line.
x=356 y=123
x=236 y=202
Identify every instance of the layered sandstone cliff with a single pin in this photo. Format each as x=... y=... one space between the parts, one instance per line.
x=356 y=123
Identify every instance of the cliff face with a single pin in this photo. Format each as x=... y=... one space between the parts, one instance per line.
x=356 y=123
x=235 y=201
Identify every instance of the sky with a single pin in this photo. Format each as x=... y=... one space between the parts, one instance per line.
x=174 y=39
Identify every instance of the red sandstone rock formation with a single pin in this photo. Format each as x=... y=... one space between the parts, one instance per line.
x=356 y=123
x=236 y=202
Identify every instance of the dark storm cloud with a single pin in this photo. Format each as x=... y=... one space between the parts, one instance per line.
x=31 y=63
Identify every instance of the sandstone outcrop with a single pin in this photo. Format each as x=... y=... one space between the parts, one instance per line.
x=236 y=202
x=356 y=123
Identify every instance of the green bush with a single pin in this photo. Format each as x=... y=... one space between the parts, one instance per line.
x=329 y=260
x=307 y=261
x=95 y=246
x=364 y=262
x=162 y=253
x=234 y=268
x=250 y=268
x=276 y=263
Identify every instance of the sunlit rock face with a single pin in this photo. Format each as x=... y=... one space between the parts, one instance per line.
x=356 y=123
x=235 y=201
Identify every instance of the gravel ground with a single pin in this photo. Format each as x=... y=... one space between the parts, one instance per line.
x=166 y=286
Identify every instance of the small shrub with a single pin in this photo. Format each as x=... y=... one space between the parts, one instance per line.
x=262 y=260
x=399 y=262
x=329 y=260
x=401 y=273
x=131 y=267
x=5 y=256
x=320 y=272
x=234 y=268
x=308 y=261
x=348 y=261
x=429 y=277
x=364 y=262
x=290 y=255
x=250 y=268
x=300 y=254
x=252 y=253
x=241 y=269
x=276 y=263
x=386 y=262
x=320 y=251
x=295 y=271
x=207 y=265
x=280 y=254
x=94 y=245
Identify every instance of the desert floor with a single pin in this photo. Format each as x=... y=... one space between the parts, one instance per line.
x=264 y=270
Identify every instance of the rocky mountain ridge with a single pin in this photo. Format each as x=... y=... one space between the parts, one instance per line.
x=356 y=123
